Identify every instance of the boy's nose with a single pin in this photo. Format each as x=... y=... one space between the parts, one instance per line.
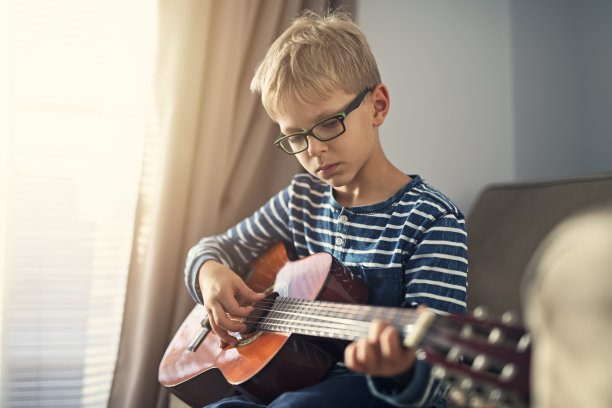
x=315 y=146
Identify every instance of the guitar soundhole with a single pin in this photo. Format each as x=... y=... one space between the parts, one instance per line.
x=260 y=311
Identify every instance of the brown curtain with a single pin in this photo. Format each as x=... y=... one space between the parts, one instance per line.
x=209 y=163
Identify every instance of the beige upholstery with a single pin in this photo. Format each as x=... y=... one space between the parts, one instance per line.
x=507 y=224
x=568 y=309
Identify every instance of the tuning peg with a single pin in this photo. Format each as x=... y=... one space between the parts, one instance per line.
x=466 y=331
x=457 y=397
x=480 y=363
x=481 y=312
x=524 y=342
x=438 y=372
x=508 y=372
x=496 y=395
x=454 y=354
x=476 y=401
x=496 y=336
x=466 y=384
x=510 y=318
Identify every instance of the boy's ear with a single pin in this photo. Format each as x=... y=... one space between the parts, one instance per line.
x=380 y=100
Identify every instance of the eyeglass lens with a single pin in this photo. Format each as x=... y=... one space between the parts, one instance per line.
x=325 y=130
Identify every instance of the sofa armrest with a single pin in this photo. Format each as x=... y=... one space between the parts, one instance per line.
x=507 y=224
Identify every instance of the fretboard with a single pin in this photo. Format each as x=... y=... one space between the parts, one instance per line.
x=329 y=319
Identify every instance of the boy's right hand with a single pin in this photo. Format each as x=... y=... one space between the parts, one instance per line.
x=220 y=286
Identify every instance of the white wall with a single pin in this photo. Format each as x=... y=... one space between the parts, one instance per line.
x=494 y=91
x=562 y=79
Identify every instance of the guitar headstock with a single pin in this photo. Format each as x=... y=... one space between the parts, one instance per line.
x=486 y=361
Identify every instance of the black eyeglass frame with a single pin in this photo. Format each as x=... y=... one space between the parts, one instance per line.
x=354 y=104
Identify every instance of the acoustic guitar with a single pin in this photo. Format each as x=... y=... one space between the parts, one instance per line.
x=287 y=344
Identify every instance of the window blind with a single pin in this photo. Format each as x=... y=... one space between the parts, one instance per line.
x=75 y=91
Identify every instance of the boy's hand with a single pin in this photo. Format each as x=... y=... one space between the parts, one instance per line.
x=220 y=286
x=380 y=353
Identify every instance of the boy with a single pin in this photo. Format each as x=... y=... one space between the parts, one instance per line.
x=407 y=242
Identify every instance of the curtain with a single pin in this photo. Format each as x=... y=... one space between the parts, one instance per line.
x=209 y=163
x=74 y=81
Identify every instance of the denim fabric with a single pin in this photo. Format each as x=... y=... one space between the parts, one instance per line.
x=384 y=284
x=340 y=391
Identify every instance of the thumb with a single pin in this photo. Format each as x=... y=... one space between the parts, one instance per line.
x=249 y=294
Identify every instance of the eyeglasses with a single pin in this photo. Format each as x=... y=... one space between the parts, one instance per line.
x=325 y=130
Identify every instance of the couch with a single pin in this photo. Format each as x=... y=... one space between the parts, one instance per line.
x=506 y=225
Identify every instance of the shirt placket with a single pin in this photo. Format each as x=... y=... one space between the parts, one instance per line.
x=341 y=234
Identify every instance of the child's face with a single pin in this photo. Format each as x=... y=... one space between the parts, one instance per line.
x=339 y=162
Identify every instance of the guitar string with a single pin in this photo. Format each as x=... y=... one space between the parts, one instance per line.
x=347 y=333
x=342 y=330
x=397 y=316
x=281 y=318
x=367 y=312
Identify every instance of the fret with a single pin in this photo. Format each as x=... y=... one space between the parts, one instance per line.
x=329 y=319
x=295 y=307
x=309 y=312
x=288 y=315
x=303 y=310
x=325 y=312
x=396 y=318
x=271 y=316
x=278 y=315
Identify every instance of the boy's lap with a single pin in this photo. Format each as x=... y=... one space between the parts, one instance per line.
x=347 y=391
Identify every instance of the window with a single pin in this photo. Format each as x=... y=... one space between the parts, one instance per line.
x=74 y=93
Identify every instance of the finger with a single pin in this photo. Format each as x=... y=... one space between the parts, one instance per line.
x=351 y=356
x=375 y=329
x=389 y=344
x=398 y=358
x=368 y=353
x=248 y=294
x=233 y=308
x=224 y=337
x=223 y=320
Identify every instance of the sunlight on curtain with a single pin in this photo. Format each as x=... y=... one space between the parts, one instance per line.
x=75 y=84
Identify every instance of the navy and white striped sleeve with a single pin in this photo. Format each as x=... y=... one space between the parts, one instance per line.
x=242 y=243
x=436 y=273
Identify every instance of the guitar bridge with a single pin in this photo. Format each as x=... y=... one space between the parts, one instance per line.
x=201 y=335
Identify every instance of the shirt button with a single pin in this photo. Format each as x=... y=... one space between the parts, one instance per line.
x=338 y=241
x=343 y=218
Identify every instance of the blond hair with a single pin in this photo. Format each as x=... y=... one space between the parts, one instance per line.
x=314 y=57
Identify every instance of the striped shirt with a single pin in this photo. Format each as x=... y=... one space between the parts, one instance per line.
x=410 y=249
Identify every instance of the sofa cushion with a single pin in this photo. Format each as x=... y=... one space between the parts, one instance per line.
x=506 y=225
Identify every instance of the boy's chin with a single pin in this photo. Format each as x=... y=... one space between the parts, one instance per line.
x=336 y=181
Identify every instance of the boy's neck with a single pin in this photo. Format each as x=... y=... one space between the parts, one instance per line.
x=376 y=185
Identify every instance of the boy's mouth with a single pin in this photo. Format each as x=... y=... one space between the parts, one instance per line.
x=327 y=169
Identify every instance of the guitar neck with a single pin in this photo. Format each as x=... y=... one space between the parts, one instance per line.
x=483 y=350
x=331 y=320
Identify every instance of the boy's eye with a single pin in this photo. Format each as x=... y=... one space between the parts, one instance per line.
x=294 y=139
x=330 y=123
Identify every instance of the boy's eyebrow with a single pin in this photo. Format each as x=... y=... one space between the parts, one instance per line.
x=319 y=118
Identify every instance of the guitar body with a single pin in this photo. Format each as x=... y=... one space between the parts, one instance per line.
x=263 y=364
